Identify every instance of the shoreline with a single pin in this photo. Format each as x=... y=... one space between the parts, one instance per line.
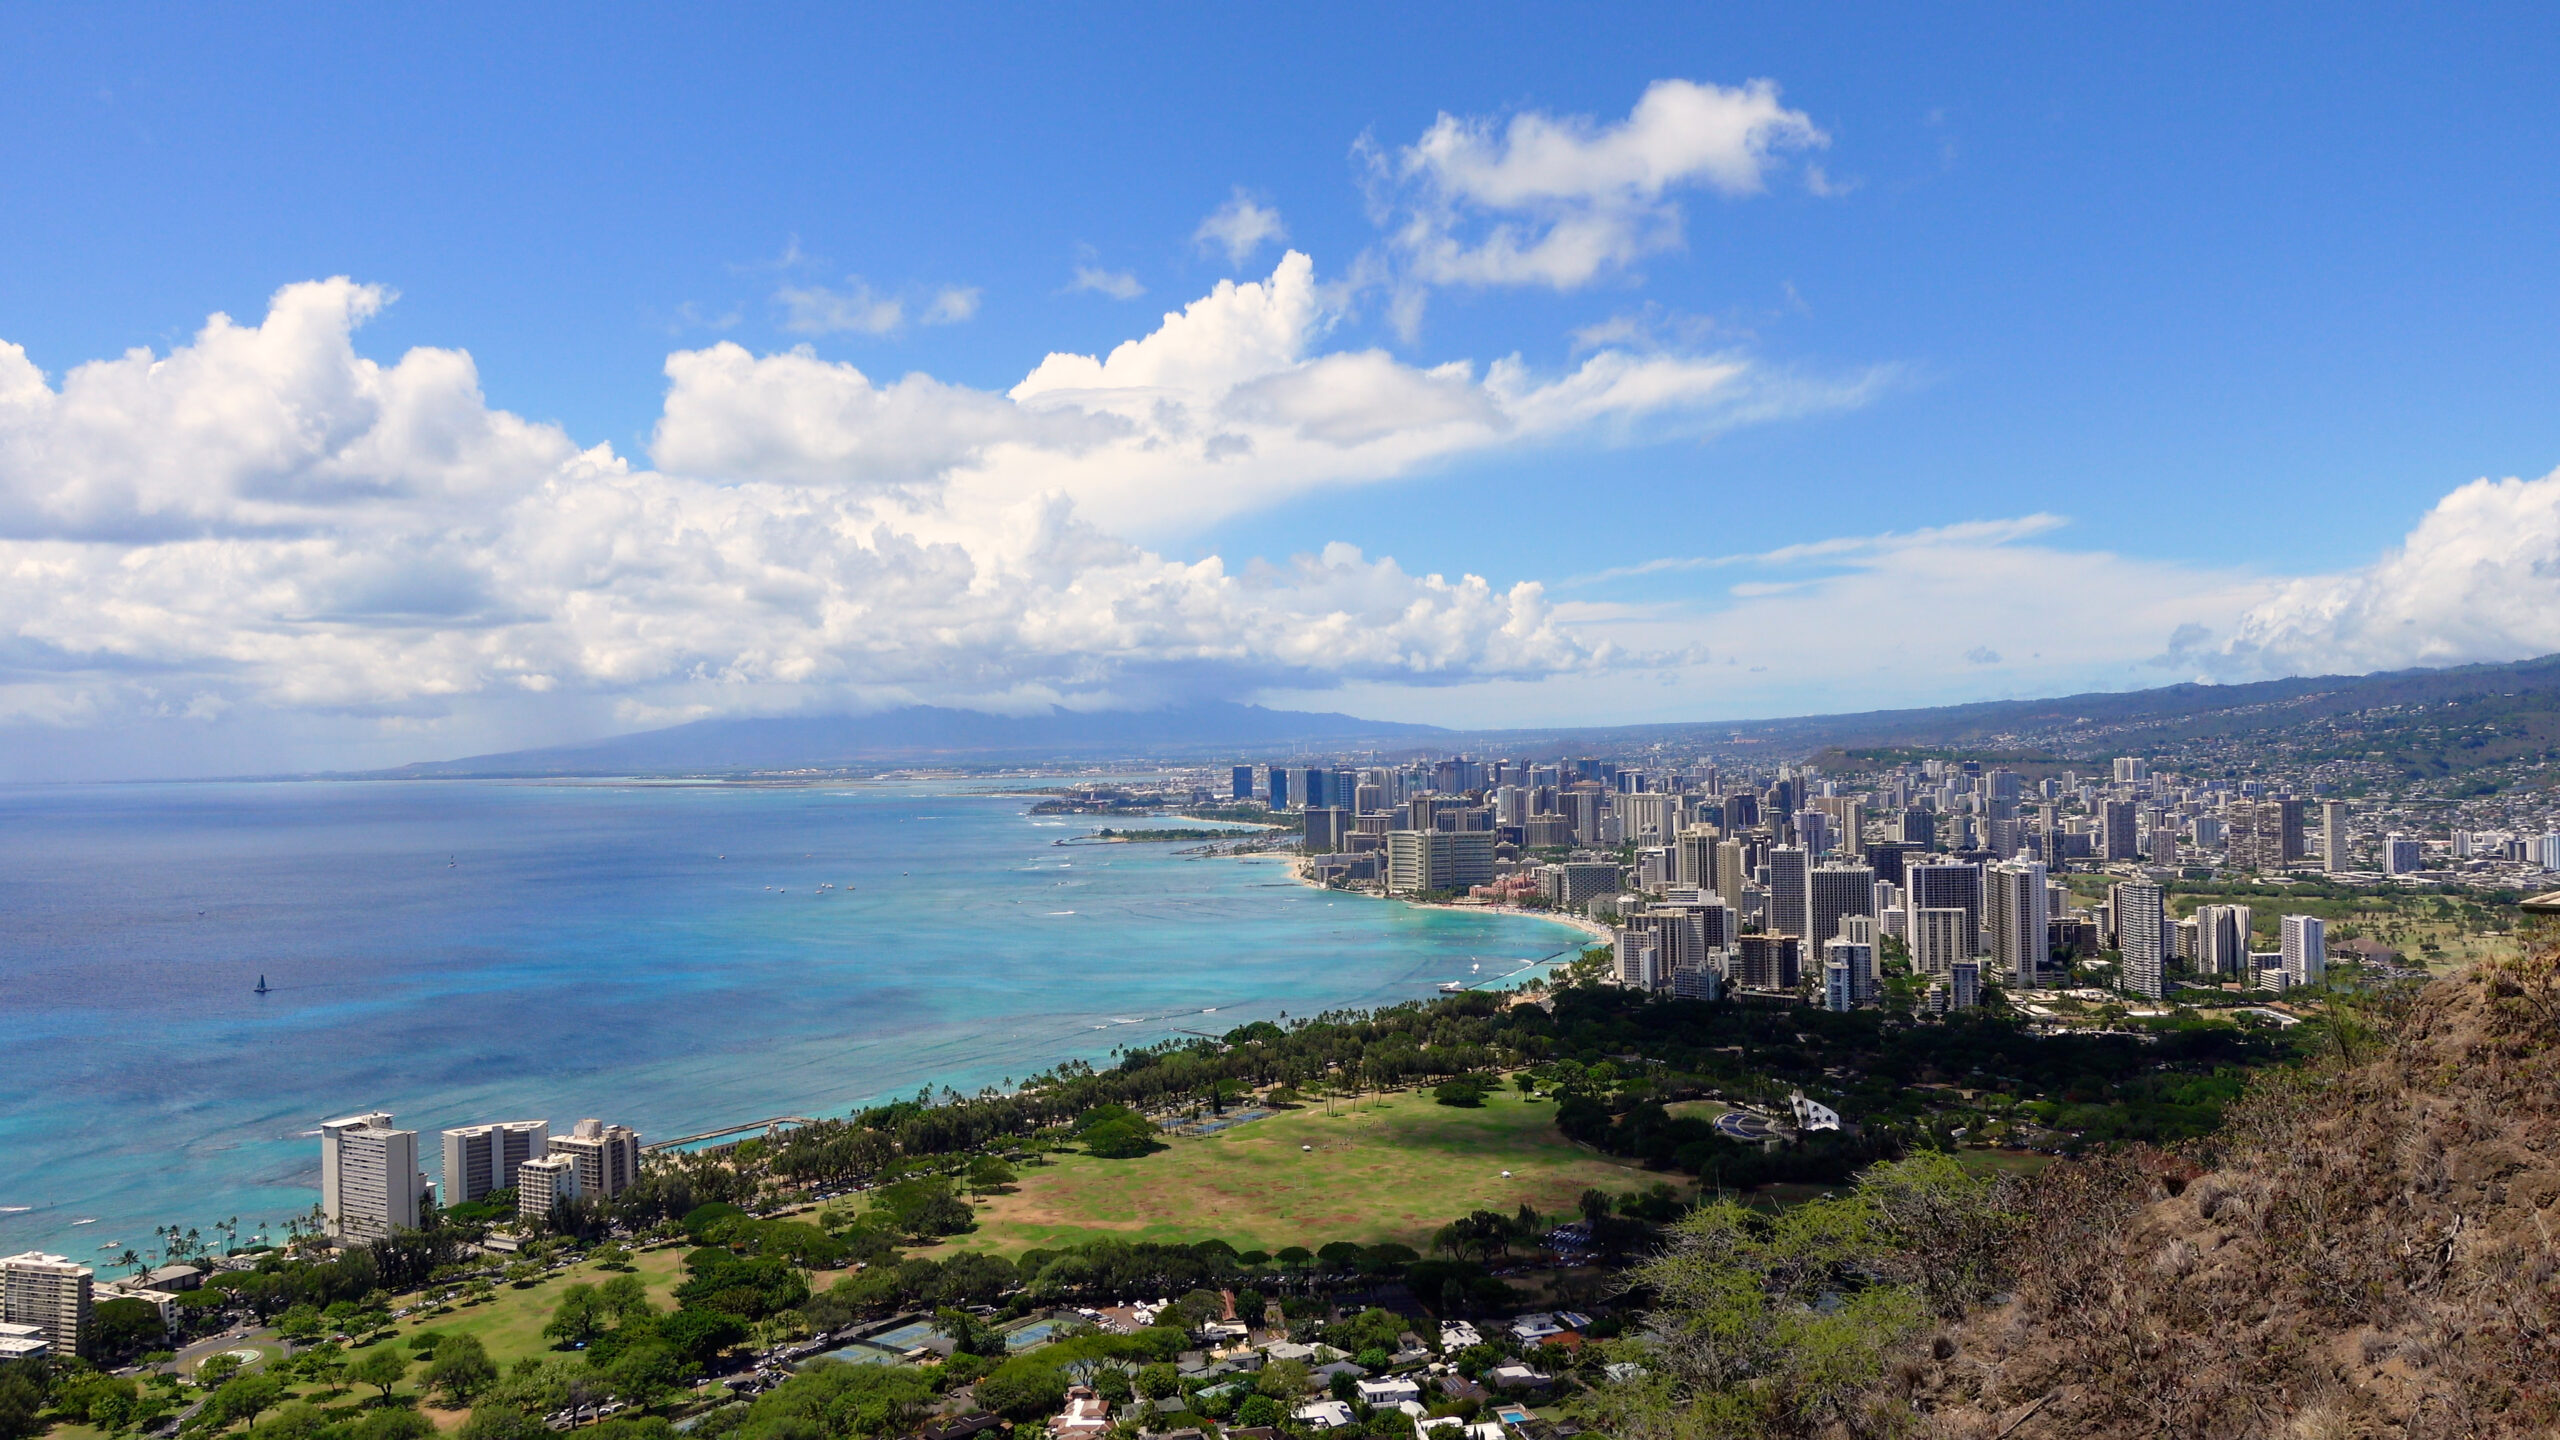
x=1143 y=960
x=1590 y=927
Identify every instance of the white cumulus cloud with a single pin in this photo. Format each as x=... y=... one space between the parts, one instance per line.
x=1562 y=201
x=264 y=522
x=2477 y=580
x=1240 y=227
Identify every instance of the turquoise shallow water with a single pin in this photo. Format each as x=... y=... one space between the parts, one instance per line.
x=654 y=954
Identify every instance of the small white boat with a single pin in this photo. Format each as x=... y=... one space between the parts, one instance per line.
x=1452 y=987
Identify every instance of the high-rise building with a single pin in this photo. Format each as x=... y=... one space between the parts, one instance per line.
x=2262 y=834
x=482 y=1158
x=1430 y=860
x=2117 y=830
x=1326 y=827
x=2164 y=847
x=1583 y=807
x=1640 y=961
x=1769 y=961
x=608 y=1156
x=542 y=1184
x=2015 y=914
x=1693 y=858
x=1741 y=811
x=1571 y=884
x=1964 y=984
x=1919 y=827
x=2547 y=851
x=1939 y=938
x=1240 y=783
x=1733 y=871
x=1946 y=886
x=2306 y=950
x=1834 y=892
x=1277 y=791
x=1307 y=784
x=2402 y=855
x=50 y=1293
x=2222 y=939
x=1839 y=986
x=370 y=1184
x=2333 y=835
x=1646 y=815
x=2139 y=910
x=1787 y=894
x=1860 y=958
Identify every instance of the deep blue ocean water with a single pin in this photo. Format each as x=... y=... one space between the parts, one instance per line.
x=659 y=955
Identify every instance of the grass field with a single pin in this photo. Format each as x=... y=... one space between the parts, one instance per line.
x=1397 y=1168
x=510 y=1322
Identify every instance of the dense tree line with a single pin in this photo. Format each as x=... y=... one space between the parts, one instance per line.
x=1615 y=1057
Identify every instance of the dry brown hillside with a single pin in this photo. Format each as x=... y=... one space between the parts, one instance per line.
x=2374 y=1251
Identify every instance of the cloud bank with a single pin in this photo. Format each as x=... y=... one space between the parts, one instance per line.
x=263 y=519
x=2477 y=580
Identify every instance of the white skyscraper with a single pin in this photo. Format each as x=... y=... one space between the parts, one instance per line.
x=1788 y=899
x=1833 y=893
x=482 y=1158
x=370 y=1184
x=1861 y=963
x=2306 y=950
x=1946 y=886
x=2015 y=914
x=1939 y=939
x=2222 y=939
x=2142 y=937
x=50 y=1293
x=2333 y=835
x=608 y=1156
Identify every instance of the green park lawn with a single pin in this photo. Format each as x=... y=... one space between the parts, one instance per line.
x=509 y=1323
x=1393 y=1168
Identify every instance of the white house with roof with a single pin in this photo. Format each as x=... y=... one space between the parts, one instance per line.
x=1389 y=1390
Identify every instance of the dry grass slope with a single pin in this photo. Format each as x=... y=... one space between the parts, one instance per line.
x=2371 y=1250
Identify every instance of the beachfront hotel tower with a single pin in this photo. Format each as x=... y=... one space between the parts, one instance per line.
x=370 y=1184
x=482 y=1158
x=50 y=1294
x=607 y=1156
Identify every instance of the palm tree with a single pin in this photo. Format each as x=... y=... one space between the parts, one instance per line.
x=130 y=1260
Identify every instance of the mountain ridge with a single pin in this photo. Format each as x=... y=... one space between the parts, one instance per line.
x=940 y=735
x=929 y=735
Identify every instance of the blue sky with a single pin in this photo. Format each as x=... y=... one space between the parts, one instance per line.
x=2237 y=303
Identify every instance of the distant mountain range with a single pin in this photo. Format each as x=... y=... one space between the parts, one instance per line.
x=926 y=735
x=2528 y=691
x=2517 y=705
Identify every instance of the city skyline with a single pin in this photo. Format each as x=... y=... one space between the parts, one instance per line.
x=1618 y=371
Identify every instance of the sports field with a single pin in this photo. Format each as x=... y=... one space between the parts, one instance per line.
x=1396 y=1168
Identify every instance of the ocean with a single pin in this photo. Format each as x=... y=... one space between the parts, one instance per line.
x=661 y=955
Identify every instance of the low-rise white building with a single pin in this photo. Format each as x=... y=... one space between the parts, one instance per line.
x=1389 y=1390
